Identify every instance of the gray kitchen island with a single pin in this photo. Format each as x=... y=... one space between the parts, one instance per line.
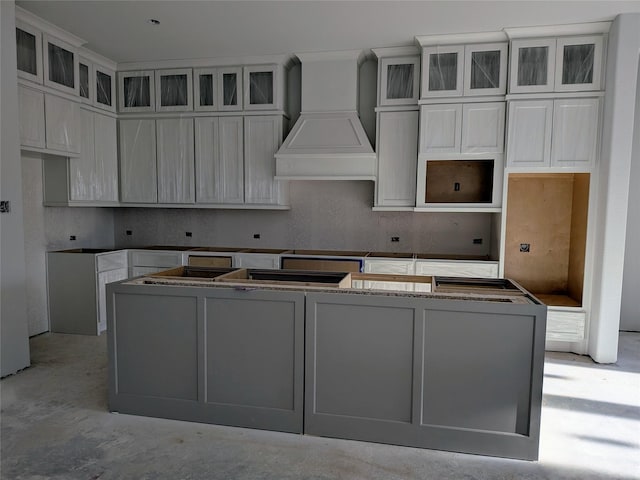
x=456 y=368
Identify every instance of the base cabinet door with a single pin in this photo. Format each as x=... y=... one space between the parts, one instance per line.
x=175 y=152
x=62 y=121
x=31 y=111
x=397 y=159
x=103 y=279
x=138 y=173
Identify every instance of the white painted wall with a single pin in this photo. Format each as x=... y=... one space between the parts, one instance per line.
x=613 y=186
x=13 y=297
x=49 y=228
x=630 y=308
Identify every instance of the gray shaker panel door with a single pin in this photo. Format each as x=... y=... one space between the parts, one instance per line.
x=349 y=337
x=477 y=371
x=251 y=351
x=156 y=338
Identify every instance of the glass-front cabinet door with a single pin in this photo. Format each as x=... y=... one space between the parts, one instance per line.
x=136 y=91
x=84 y=81
x=532 y=65
x=230 y=88
x=105 y=88
x=260 y=87
x=205 y=91
x=29 y=52
x=485 y=70
x=60 y=65
x=399 y=82
x=578 y=63
x=442 y=67
x=174 y=90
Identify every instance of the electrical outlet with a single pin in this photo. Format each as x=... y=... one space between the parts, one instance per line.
x=256 y=235
x=5 y=206
x=477 y=241
x=395 y=239
x=129 y=232
x=188 y=234
x=525 y=247
x=456 y=187
x=72 y=237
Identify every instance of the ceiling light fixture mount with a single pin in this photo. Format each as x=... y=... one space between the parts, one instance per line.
x=153 y=21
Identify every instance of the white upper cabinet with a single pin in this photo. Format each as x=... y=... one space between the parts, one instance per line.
x=575 y=132
x=104 y=88
x=175 y=160
x=483 y=127
x=397 y=159
x=262 y=138
x=260 y=87
x=219 y=160
x=440 y=128
x=205 y=89
x=532 y=65
x=399 y=80
x=29 y=52
x=529 y=133
x=136 y=91
x=442 y=71
x=578 y=63
x=174 y=90
x=138 y=170
x=485 y=69
x=62 y=124
x=60 y=65
x=31 y=112
x=230 y=88
x=85 y=83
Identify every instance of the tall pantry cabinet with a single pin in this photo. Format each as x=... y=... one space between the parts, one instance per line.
x=553 y=141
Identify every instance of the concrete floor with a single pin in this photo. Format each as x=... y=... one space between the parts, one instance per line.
x=55 y=425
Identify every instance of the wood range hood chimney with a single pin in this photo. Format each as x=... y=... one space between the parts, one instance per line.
x=328 y=141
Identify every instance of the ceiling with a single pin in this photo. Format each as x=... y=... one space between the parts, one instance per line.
x=120 y=30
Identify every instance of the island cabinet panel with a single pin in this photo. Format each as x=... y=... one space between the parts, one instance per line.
x=236 y=357
x=415 y=371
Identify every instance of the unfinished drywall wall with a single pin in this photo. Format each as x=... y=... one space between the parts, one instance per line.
x=323 y=215
x=49 y=228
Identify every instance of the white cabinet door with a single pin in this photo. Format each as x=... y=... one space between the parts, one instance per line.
x=62 y=123
x=219 y=160
x=29 y=52
x=174 y=90
x=205 y=89
x=136 y=91
x=82 y=170
x=442 y=71
x=175 y=152
x=485 y=69
x=105 y=88
x=31 y=112
x=578 y=63
x=261 y=87
x=532 y=66
x=262 y=138
x=390 y=266
x=103 y=279
x=138 y=174
x=397 y=158
x=575 y=132
x=61 y=67
x=106 y=155
x=529 y=133
x=440 y=128
x=230 y=88
x=399 y=80
x=483 y=127
x=256 y=260
x=477 y=269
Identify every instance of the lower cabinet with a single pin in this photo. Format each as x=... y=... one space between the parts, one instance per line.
x=142 y=262
x=477 y=269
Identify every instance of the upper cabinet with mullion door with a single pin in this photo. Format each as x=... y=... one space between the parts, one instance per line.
x=174 y=90
x=442 y=71
x=230 y=94
x=398 y=76
x=261 y=90
x=61 y=65
x=136 y=91
x=29 y=52
x=205 y=89
x=85 y=81
x=485 y=69
x=579 y=62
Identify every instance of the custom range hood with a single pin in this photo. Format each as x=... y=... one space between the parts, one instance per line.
x=328 y=141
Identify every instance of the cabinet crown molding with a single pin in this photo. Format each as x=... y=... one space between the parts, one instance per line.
x=49 y=28
x=286 y=60
x=97 y=58
x=558 y=30
x=395 y=51
x=460 y=38
x=359 y=55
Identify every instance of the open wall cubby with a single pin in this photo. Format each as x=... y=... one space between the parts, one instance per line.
x=459 y=181
x=546 y=231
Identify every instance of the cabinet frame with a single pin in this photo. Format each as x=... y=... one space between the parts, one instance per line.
x=46 y=40
x=550 y=43
x=39 y=76
x=384 y=63
x=188 y=72
x=121 y=93
x=598 y=43
x=468 y=56
x=426 y=52
x=247 y=71
x=196 y=89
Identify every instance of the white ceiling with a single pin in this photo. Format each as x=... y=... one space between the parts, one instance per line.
x=205 y=29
